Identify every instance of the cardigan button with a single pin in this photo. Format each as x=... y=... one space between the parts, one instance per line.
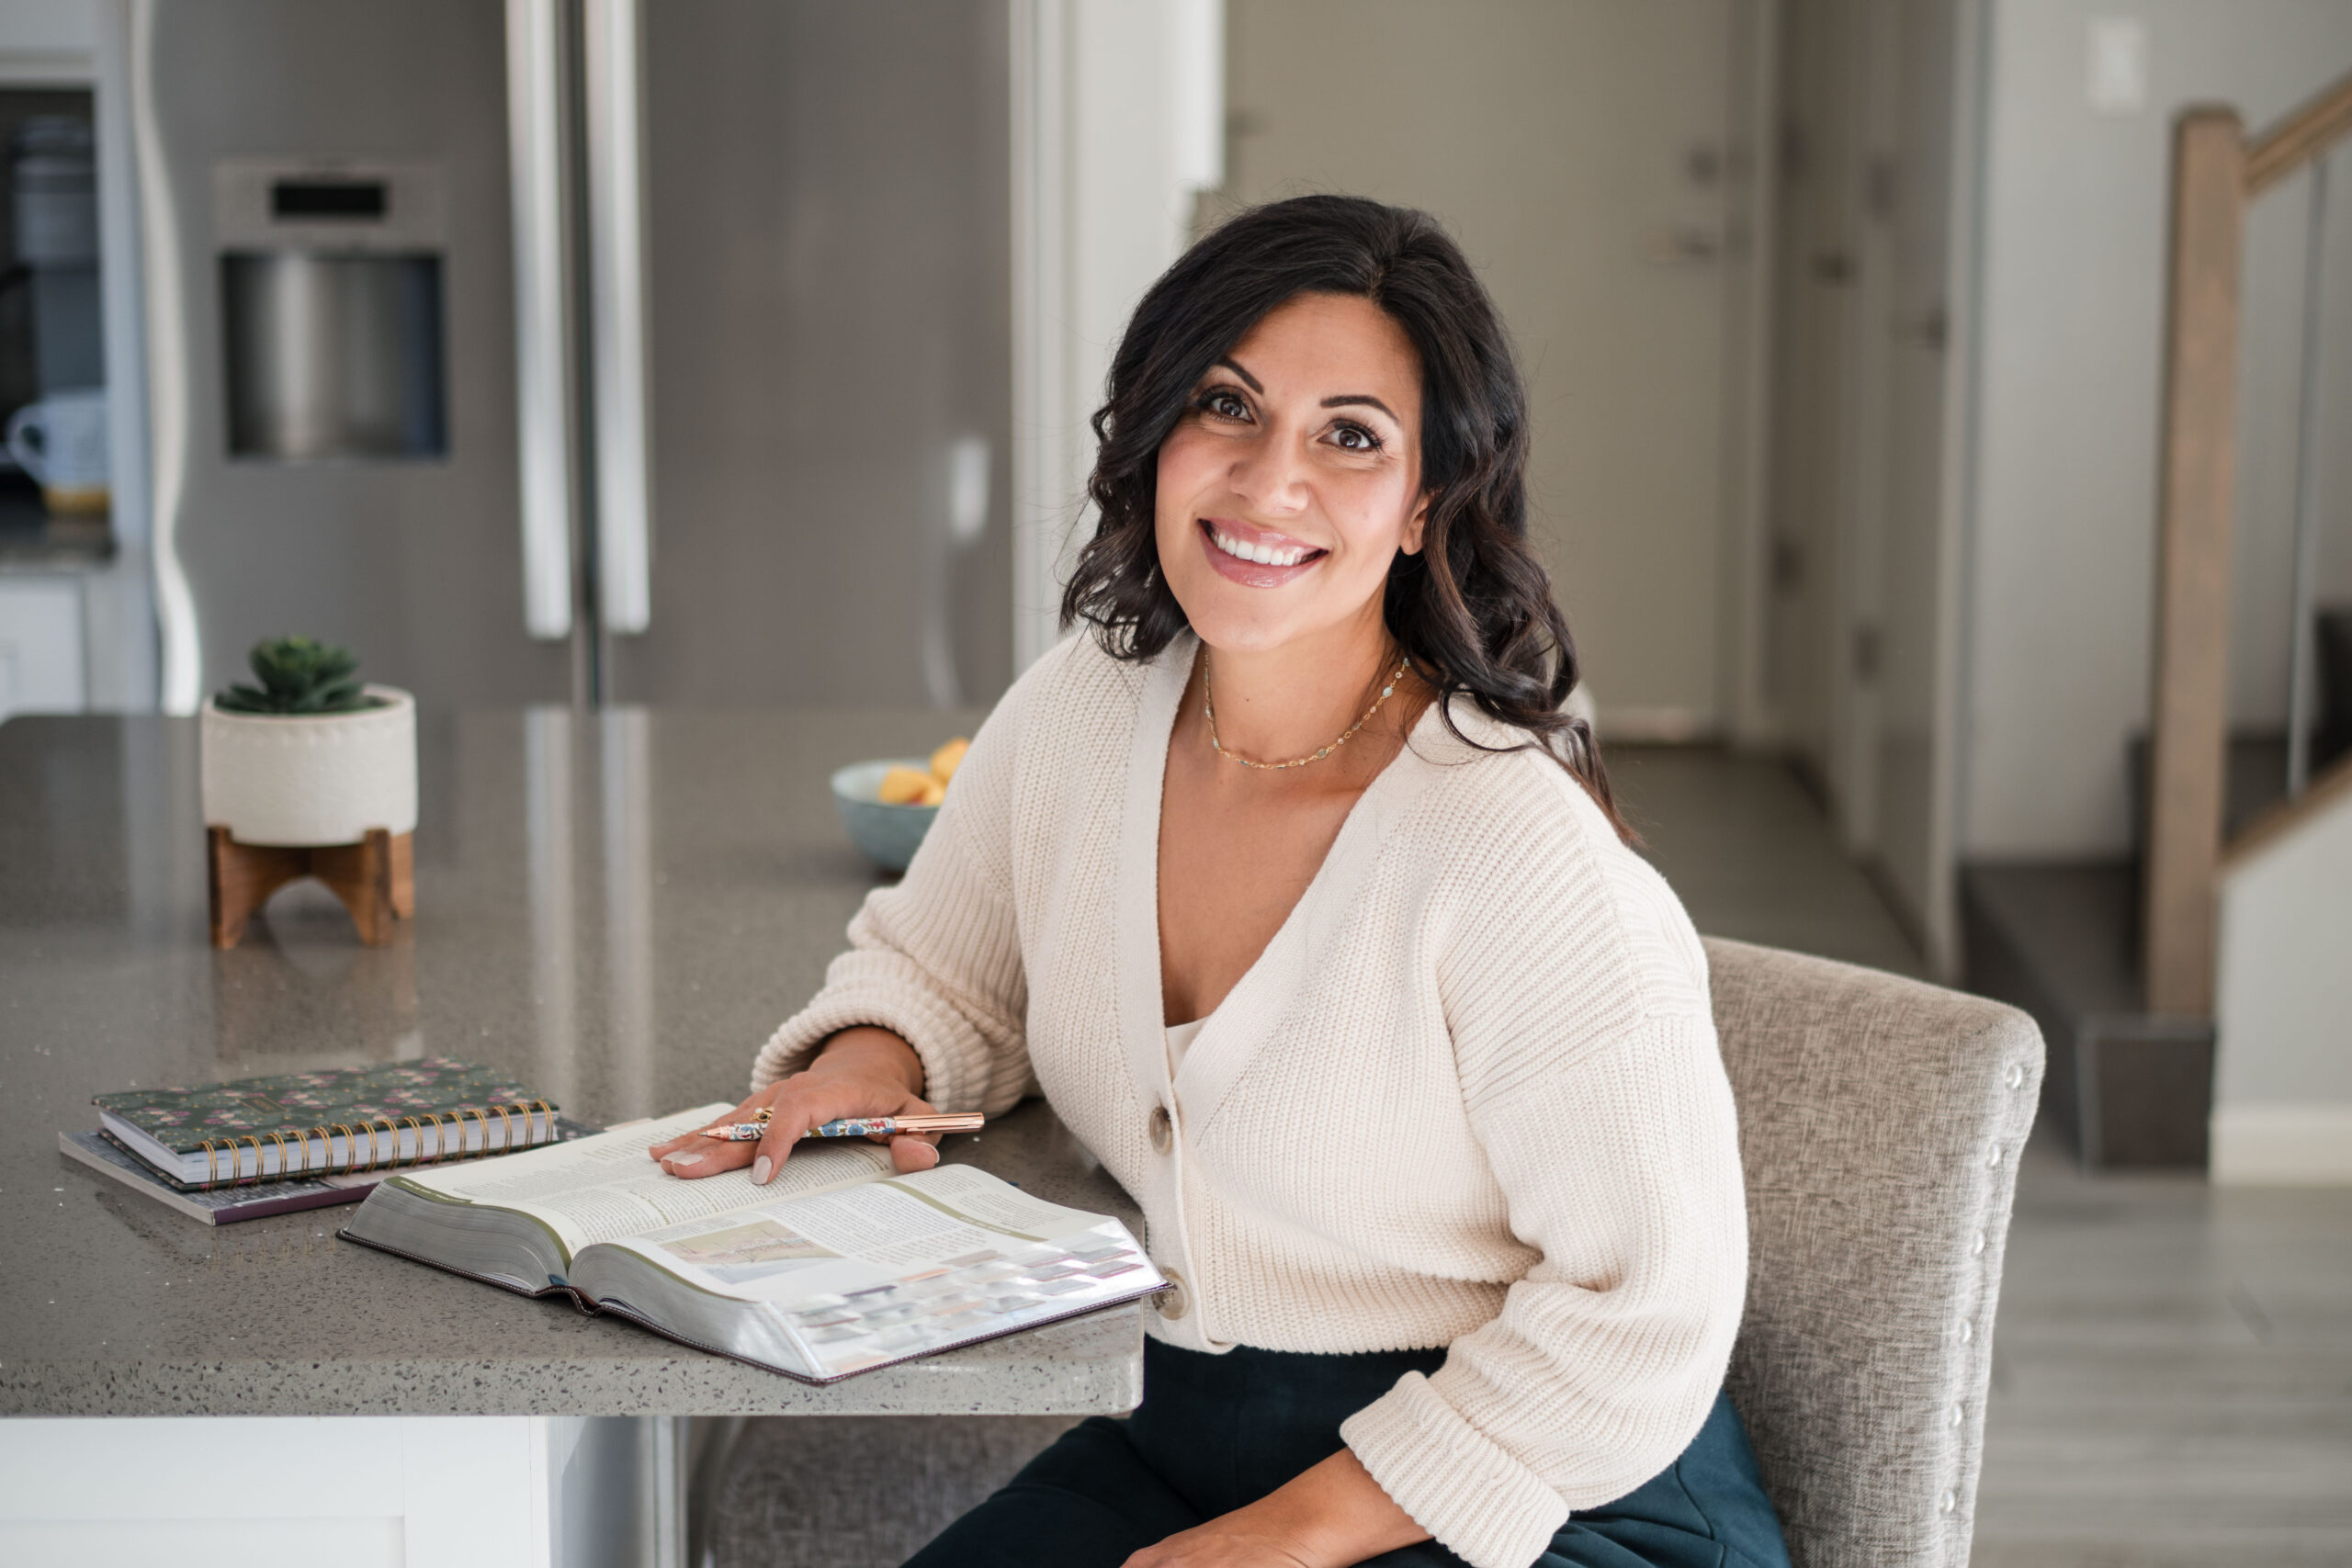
x=1170 y=1303
x=1163 y=1130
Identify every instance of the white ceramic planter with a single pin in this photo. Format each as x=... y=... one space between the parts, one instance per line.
x=312 y=780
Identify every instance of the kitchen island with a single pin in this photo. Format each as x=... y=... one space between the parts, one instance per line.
x=615 y=908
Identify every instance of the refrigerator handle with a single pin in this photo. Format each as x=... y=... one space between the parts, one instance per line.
x=617 y=313
x=542 y=358
x=168 y=413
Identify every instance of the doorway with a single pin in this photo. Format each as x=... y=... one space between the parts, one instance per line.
x=1870 y=429
x=1731 y=239
x=1589 y=158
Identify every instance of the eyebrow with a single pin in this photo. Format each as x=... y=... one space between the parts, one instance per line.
x=1255 y=384
x=1343 y=401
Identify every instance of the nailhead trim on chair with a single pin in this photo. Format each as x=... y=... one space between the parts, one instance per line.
x=1881 y=1121
x=2014 y=1078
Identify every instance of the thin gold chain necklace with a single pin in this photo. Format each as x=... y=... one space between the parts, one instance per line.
x=1208 y=707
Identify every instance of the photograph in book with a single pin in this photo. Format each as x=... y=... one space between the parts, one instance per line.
x=838 y=1266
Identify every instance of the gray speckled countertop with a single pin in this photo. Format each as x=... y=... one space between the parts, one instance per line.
x=617 y=909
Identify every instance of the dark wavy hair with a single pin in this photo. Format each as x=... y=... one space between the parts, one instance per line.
x=1473 y=608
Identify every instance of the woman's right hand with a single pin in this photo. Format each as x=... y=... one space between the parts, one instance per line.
x=860 y=1072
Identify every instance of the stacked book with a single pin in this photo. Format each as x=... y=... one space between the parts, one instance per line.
x=272 y=1145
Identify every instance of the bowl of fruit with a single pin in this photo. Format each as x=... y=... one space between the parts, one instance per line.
x=886 y=806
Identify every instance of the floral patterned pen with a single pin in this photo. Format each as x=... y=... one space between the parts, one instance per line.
x=852 y=1126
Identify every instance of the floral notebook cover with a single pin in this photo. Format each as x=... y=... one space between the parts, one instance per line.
x=182 y=1119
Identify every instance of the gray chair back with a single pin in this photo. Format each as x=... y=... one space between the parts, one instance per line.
x=1880 y=1124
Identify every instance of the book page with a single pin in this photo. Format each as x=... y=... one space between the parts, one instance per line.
x=605 y=1187
x=885 y=1269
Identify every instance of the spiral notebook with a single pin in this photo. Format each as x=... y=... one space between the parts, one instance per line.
x=336 y=1122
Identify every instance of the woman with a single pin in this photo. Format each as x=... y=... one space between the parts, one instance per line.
x=1295 y=892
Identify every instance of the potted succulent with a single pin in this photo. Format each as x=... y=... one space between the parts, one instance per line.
x=308 y=761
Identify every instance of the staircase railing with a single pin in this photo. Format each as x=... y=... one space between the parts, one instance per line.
x=2217 y=170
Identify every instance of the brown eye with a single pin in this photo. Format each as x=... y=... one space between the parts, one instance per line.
x=1356 y=438
x=1224 y=404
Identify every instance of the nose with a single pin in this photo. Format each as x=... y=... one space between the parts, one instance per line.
x=1269 y=475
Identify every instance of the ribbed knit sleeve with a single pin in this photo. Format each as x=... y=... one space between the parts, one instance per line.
x=936 y=959
x=1576 y=998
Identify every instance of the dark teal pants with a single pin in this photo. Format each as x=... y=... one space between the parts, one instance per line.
x=1217 y=1432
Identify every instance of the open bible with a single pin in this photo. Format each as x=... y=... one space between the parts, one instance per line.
x=837 y=1265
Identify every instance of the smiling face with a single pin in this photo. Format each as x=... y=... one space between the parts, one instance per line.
x=1295 y=478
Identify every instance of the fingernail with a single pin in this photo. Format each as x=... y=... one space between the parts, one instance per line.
x=762 y=1168
x=685 y=1159
x=932 y=1150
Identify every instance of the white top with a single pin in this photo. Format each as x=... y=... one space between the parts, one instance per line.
x=1468 y=1096
x=1180 y=1039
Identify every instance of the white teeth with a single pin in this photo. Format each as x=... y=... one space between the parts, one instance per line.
x=1263 y=555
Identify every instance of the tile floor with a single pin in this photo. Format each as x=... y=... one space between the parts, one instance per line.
x=2172 y=1372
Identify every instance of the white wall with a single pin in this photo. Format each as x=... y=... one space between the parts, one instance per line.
x=1118 y=121
x=1562 y=144
x=2282 y=1089
x=2062 y=559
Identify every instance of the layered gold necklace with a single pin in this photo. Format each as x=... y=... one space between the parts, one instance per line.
x=1208 y=707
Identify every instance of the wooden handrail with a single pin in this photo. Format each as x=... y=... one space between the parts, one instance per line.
x=2217 y=169
x=2295 y=140
x=2196 y=483
x=2288 y=815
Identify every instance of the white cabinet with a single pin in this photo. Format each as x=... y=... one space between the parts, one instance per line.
x=42 y=666
x=357 y=1492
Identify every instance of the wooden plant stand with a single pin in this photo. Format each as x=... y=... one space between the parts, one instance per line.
x=376 y=879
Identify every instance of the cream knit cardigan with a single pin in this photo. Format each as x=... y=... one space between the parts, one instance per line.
x=1468 y=1096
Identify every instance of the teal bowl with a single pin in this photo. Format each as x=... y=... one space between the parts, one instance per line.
x=887 y=835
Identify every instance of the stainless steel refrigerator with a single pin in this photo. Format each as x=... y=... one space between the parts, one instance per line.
x=575 y=350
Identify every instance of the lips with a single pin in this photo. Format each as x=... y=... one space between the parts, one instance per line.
x=1256 y=557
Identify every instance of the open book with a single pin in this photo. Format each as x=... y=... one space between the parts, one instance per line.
x=837 y=1265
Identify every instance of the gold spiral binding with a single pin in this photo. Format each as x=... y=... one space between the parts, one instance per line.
x=326 y=1149
x=454 y=1129
x=505 y=1128
x=418 y=1128
x=284 y=1169
x=211 y=1164
x=548 y=1112
x=391 y=1157
x=350 y=1145
x=237 y=1164
x=483 y=1121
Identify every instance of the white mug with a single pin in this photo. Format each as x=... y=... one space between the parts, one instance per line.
x=62 y=441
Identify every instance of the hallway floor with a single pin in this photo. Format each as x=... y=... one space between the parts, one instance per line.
x=2172 y=1371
